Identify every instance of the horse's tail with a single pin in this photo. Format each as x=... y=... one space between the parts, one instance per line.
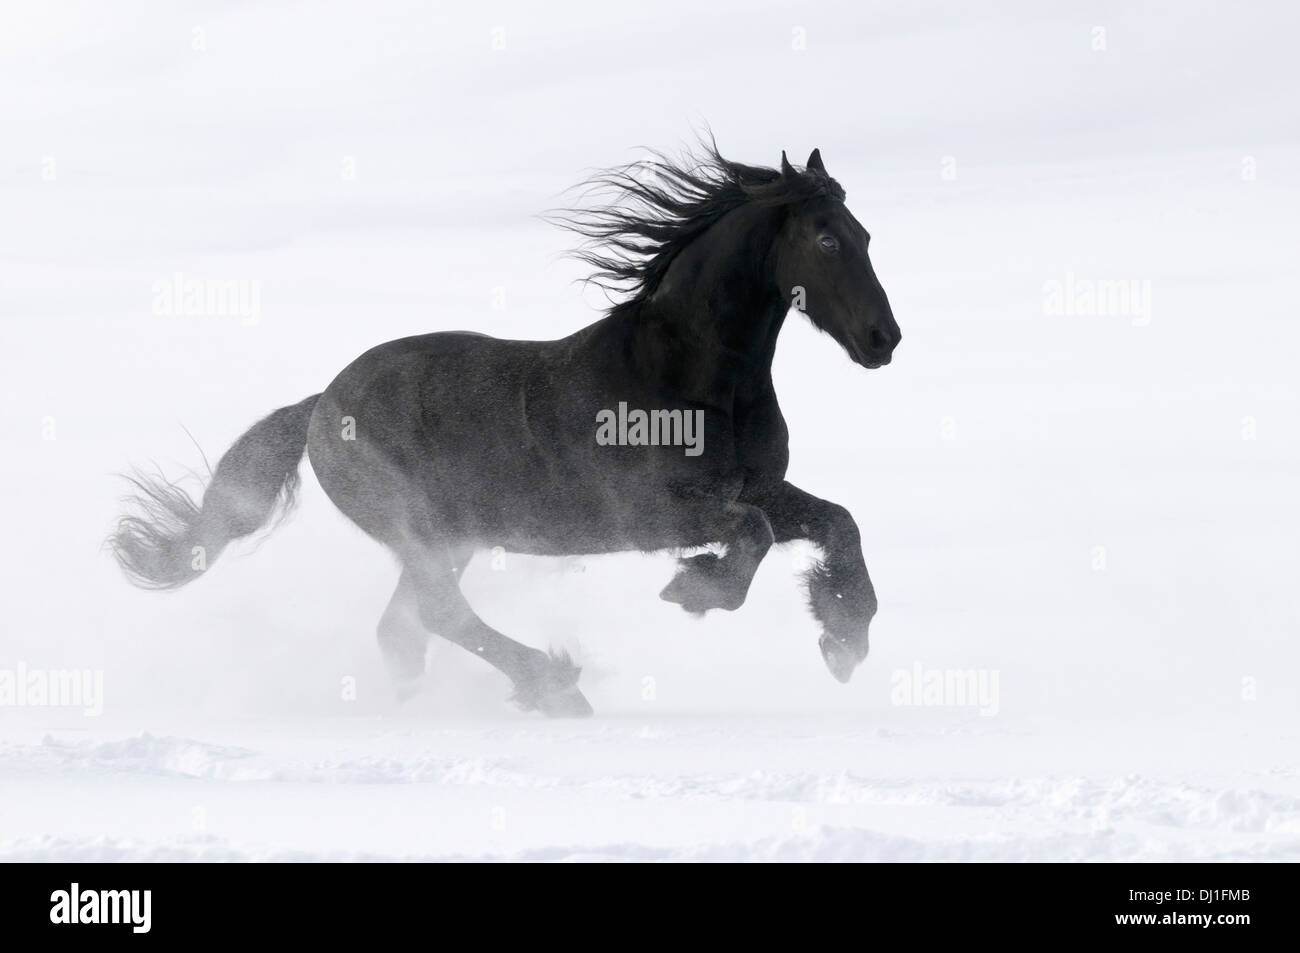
x=171 y=539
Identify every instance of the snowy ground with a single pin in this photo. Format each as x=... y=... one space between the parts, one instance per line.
x=1095 y=512
x=633 y=787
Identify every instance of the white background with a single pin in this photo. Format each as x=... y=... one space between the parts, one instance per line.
x=1101 y=508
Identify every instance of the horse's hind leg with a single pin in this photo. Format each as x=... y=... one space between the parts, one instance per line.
x=403 y=637
x=547 y=683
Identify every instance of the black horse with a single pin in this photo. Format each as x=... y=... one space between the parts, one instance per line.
x=655 y=428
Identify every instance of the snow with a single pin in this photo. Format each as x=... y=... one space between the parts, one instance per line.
x=1098 y=508
x=758 y=787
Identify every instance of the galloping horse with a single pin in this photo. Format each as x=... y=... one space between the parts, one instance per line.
x=442 y=445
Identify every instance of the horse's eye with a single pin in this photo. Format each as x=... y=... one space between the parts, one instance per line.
x=828 y=243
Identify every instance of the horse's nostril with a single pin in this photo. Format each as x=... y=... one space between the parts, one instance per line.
x=877 y=341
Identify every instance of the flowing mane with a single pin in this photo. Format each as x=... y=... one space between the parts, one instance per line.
x=648 y=211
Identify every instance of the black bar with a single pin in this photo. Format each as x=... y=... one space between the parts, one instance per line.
x=331 y=902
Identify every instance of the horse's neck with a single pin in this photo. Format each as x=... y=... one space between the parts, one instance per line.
x=706 y=350
x=710 y=329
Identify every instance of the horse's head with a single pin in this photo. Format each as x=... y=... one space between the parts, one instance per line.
x=821 y=262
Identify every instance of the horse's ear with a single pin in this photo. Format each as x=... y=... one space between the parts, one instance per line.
x=787 y=171
x=815 y=162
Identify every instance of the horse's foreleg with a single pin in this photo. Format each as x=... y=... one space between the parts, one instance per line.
x=709 y=581
x=546 y=682
x=839 y=587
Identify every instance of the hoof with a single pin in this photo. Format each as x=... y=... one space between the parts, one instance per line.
x=702 y=584
x=552 y=688
x=406 y=689
x=405 y=665
x=565 y=703
x=840 y=657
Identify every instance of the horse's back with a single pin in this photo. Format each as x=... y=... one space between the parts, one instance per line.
x=420 y=422
x=476 y=438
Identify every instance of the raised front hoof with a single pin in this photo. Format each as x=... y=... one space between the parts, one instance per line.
x=552 y=688
x=842 y=657
x=701 y=584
